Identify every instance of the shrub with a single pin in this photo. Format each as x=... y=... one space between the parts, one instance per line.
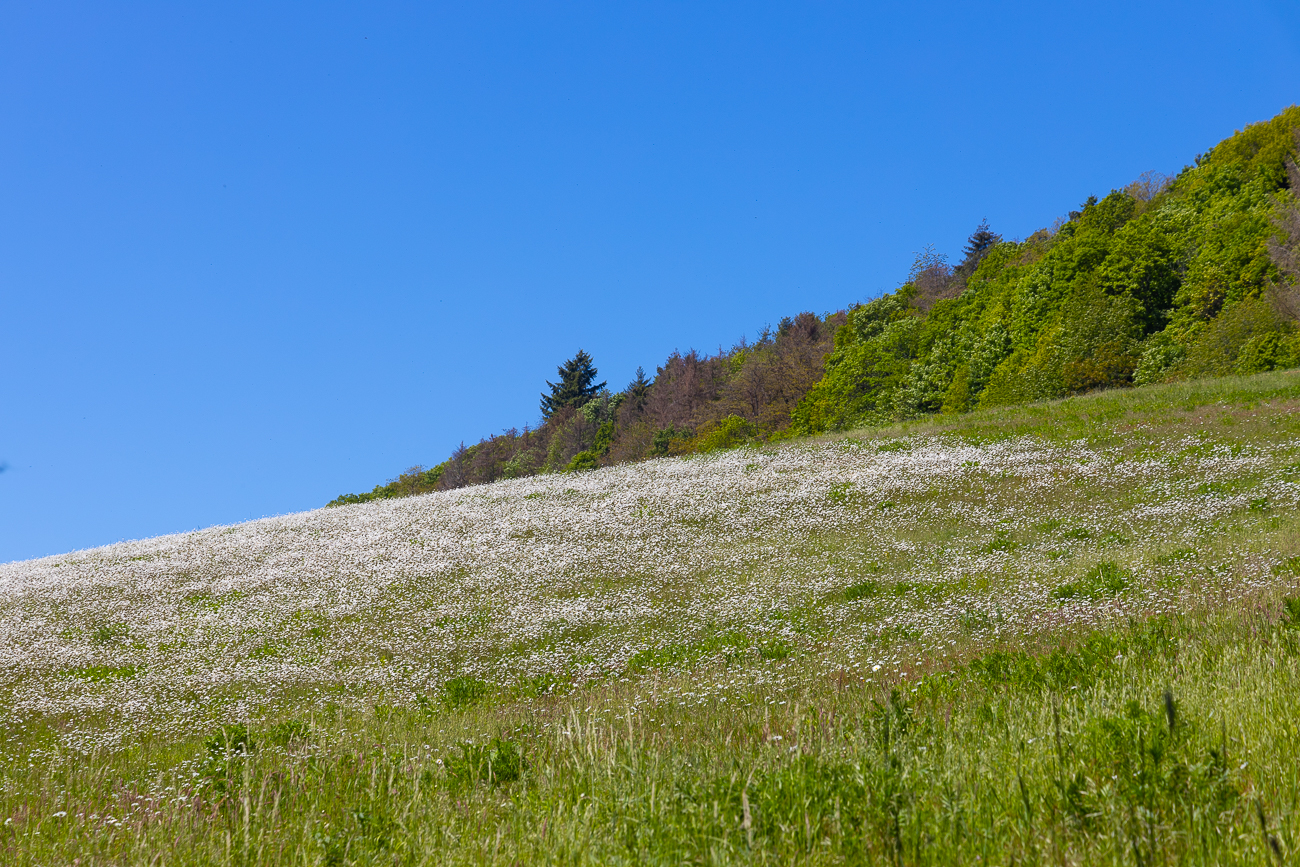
x=669 y=441
x=1160 y=354
x=732 y=431
x=1247 y=337
x=584 y=460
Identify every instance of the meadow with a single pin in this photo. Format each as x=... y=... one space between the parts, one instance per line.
x=1063 y=633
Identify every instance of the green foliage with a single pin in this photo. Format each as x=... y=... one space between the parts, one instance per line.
x=728 y=433
x=1065 y=668
x=496 y=763
x=638 y=390
x=841 y=493
x=873 y=351
x=1247 y=338
x=576 y=387
x=1153 y=770
x=604 y=436
x=97 y=673
x=584 y=460
x=728 y=644
x=1291 y=613
x=861 y=590
x=669 y=441
x=1160 y=354
x=1104 y=579
x=463 y=691
x=977 y=247
x=1002 y=541
x=1156 y=281
x=416 y=480
x=231 y=740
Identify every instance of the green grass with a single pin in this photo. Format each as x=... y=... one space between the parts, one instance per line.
x=1046 y=754
x=1104 y=579
x=1166 y=734
x=1204 y=406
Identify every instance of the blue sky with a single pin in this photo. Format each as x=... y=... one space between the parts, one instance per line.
x=254 y=256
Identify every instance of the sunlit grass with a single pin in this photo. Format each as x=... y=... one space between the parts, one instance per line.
x=947 y=641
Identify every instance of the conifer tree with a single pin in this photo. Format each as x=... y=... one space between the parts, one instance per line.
x=575 y=387
x=638 y=390
x=980 y=242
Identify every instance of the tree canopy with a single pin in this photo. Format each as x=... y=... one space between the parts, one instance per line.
x=577 y=385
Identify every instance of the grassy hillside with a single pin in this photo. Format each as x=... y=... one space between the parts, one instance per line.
x=1058 y=633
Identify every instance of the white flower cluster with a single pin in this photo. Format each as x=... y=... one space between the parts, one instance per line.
x=857 y=554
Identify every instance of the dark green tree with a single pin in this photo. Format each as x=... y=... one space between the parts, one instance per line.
x=978 y=244
x=576 y=385
x=638 y=390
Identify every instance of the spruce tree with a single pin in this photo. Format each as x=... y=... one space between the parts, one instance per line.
x=977 y=246
x=575 y=387
x=638 y=390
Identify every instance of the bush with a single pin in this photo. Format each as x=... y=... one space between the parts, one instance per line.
x=1248 y=337
x=1272 y=351
x=585 y=460
x=1160 y=354
x=732 y=431
x=669 y=441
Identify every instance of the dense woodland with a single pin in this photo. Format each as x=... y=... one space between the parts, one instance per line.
x=1173 y=277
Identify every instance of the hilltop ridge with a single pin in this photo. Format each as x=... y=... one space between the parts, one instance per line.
x=1169 y=277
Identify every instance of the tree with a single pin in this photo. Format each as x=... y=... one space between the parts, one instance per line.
x=1285 y=251
x=575 y=387
x=977 y=246
x=638 y=390
x=1149 y=185
x=933 y=279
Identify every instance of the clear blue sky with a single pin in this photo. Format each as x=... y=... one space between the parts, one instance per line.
x=256 y=255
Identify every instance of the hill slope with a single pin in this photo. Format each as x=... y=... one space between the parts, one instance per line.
x=832 y=649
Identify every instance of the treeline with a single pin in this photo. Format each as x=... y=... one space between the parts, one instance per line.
x=1171 y=277
x=695 y=402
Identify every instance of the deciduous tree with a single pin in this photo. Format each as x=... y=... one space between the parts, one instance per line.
x=1285 y=251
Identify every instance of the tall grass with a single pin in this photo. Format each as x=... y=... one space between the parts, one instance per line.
x=1164 y=741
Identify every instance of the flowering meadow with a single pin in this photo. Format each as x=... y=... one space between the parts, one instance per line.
x=1051 y=633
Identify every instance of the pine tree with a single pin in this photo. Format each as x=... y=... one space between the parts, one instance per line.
x=638 y=390
x=977 y=246
x=575 y=387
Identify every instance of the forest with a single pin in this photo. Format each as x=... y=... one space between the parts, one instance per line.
x=1169 y=278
